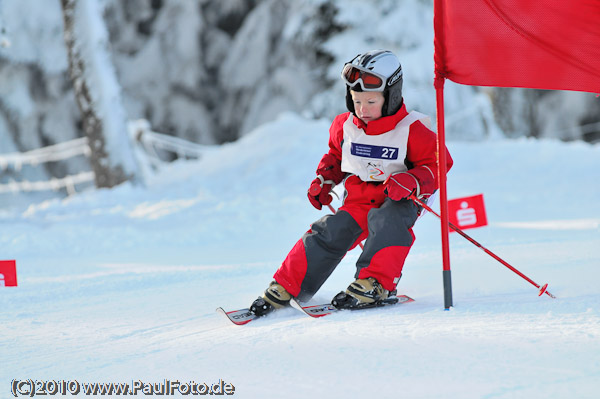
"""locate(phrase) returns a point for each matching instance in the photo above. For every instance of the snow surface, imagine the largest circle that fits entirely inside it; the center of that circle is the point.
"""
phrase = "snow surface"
(121, 285)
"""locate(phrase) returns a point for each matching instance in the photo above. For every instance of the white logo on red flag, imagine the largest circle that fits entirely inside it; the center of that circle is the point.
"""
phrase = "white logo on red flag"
(467, 212)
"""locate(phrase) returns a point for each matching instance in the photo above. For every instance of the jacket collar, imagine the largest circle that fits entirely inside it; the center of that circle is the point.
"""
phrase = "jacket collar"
(381, 125)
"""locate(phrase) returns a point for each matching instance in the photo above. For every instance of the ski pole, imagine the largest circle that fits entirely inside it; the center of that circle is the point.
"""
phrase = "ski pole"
(542, 289)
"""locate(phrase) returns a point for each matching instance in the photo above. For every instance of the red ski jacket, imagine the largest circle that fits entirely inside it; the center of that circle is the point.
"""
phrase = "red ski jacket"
(421, 149)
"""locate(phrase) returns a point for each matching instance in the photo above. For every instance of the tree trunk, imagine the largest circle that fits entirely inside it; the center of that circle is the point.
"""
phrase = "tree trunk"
(98, 93)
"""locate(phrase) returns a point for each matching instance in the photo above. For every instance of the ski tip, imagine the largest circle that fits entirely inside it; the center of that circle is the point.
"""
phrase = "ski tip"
(315, 311)
(294, 303)
(404, 299)
(222, 311)
(237, 317)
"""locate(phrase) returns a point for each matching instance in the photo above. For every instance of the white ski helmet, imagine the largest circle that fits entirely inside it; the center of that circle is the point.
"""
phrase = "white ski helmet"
(376, 70)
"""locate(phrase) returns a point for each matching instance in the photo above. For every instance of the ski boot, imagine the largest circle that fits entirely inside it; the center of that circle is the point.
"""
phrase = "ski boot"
(275, 297)
(364, 293)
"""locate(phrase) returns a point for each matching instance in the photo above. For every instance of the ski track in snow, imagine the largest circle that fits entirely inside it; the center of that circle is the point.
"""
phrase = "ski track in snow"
(121, 285)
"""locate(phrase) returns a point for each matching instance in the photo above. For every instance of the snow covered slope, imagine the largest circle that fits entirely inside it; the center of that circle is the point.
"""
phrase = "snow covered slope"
(121, 285)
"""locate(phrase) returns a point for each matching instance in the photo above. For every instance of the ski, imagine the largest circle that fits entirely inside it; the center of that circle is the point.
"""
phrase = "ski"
(238, 317)
(244, 316)
(327, 309)
(314, 310)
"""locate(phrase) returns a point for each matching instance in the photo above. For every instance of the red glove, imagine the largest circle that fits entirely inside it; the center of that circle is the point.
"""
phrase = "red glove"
(319, 192)
(329, 173)
(400, 185)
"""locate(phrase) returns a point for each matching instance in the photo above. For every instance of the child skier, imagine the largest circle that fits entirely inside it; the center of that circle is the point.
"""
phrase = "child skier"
(382, 154)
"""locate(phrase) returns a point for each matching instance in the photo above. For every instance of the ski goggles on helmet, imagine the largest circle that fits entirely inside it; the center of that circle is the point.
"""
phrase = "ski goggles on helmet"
(369, 80)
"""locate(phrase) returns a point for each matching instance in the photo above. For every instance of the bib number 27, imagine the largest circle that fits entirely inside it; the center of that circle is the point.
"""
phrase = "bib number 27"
(388, 153)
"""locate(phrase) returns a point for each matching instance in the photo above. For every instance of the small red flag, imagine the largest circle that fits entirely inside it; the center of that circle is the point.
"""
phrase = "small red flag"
(8, 273)
(467, 212)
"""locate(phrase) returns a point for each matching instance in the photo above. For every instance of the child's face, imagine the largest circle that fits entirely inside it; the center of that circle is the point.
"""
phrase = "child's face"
(367, 104)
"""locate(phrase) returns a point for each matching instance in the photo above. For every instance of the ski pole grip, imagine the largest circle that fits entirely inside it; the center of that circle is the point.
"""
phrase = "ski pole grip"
(316, 187)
